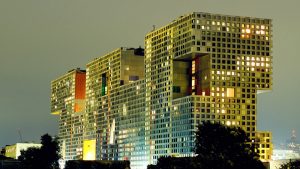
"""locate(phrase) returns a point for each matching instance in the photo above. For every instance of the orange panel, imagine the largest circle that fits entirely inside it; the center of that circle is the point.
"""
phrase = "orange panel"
(80, 85)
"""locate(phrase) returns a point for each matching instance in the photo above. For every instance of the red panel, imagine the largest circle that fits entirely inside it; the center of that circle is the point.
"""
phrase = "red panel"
(197, 66)
(80, 85)
(207, 92)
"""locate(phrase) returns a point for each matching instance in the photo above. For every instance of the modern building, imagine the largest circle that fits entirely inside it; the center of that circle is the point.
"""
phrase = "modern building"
(14, 151)
(141, 105)
(68, 102)
(115, 97)
(206, 67)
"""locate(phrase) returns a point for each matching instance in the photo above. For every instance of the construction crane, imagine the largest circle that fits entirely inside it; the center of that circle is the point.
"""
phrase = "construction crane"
(20, 135)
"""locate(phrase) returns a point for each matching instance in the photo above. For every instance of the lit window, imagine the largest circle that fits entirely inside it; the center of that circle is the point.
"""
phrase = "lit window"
(230, 92)
(193, 67)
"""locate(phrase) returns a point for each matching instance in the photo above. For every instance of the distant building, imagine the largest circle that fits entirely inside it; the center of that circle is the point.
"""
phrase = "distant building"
(285, 155)
(143, 104)
(14, 151)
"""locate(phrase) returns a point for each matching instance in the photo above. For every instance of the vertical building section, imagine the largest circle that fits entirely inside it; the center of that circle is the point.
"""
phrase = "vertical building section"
(205, 67)
(130, 124)
(68, 102)
(108, 101)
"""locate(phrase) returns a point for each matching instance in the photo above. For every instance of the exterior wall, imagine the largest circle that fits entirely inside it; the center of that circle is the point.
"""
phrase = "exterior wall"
(130, 131)
(14, 151)
(68, 101)
(11, 151)
(280, 154)
(106, 77)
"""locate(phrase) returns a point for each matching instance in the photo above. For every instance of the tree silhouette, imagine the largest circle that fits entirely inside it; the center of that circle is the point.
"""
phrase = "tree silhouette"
(45, 157)
(50, 152)
(222, 147)
(175, 163)
(30, 158)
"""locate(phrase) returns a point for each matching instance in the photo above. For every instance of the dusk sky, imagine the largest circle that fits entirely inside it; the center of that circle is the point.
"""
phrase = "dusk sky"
(41, 40)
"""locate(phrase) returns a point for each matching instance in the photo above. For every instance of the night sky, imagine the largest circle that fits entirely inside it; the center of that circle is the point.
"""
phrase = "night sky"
(41, 40)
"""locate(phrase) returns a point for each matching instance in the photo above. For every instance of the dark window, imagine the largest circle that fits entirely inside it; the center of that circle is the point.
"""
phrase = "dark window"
(176, 89)
(133, 78)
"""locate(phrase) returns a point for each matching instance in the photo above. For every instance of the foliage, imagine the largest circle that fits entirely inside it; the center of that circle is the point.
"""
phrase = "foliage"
(291, 165)
(152, 166)
(79, 164)
(217, 147)
(45, 157)
(222, 147)
(30, 158)
(50, 152)
(175, 163)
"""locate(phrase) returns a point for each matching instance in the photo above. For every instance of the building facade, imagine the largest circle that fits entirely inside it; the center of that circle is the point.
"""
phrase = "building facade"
(14, 151)
(141, 105)
(68, 102)
(115, 93)
(206, 67)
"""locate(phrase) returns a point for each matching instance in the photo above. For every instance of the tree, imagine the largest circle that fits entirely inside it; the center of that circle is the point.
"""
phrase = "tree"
(45, 157)
(175, 163)
(30, 158)
(50, 152)
(291, 165)
(94, 164)
(222, 147)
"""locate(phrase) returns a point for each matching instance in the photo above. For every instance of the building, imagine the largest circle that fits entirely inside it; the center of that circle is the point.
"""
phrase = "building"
(114, 97)
(68, 102)
(200, 67)
(14, 151)
(285, 155)
(206, 67)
